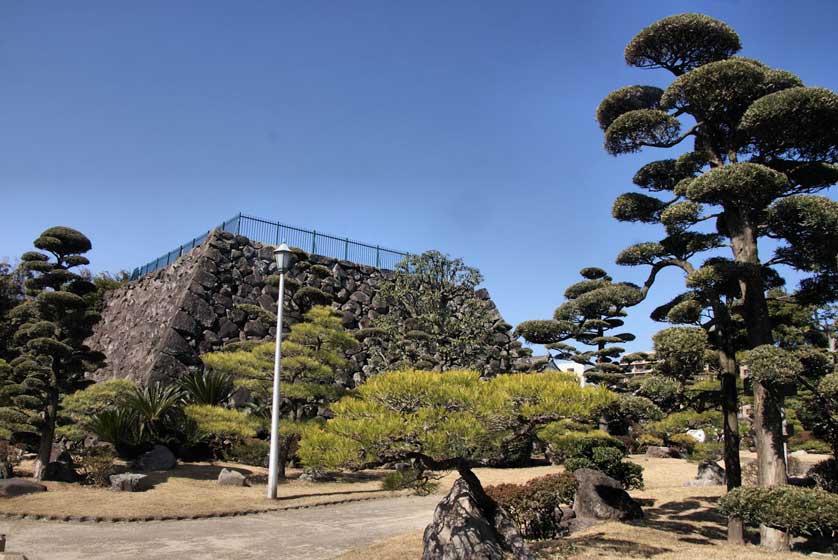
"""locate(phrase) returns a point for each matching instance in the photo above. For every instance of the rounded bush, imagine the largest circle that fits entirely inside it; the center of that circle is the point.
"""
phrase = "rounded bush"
(800, 511)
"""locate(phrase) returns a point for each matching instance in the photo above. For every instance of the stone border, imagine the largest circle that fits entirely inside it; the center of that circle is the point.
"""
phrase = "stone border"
(149, 518)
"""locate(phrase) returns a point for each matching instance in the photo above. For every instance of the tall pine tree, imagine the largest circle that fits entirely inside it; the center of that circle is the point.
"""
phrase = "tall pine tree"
(51, 325)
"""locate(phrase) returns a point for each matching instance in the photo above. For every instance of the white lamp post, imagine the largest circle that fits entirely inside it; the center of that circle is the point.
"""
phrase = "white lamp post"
(283, 257)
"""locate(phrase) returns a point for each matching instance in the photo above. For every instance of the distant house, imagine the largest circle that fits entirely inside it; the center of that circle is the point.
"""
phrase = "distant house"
(574, 368)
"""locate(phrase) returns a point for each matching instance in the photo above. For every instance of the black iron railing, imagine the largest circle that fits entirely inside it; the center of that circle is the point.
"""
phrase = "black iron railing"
(274, 233)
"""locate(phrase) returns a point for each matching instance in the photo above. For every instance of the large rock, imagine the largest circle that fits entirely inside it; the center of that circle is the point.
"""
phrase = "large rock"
(662, 452)
(709, 474)
(462, 529)
(601, 497)
(158, 459)
(12, 487)
(129, 482)
(228, 477)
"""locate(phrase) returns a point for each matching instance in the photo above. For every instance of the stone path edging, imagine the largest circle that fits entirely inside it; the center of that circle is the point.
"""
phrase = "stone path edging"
(148, 518)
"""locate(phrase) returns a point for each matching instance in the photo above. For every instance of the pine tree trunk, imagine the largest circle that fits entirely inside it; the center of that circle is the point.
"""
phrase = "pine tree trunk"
(733, 468)
(47, 437)
(768, 422)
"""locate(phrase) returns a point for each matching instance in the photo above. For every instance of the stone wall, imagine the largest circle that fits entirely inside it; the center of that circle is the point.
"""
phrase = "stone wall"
(155, 328)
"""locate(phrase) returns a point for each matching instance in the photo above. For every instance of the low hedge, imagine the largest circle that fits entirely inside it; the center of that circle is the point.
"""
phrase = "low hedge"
(533, 506)
(800, 511)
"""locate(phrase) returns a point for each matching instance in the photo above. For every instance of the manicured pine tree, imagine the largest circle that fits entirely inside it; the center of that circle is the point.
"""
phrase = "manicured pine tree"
(52, 324)
(436, 319)
(313, 355)
(594, 307)
(762, 143)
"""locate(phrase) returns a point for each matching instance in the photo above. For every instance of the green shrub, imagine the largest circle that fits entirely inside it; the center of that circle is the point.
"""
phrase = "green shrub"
(684, 442)
(78, 409)
(320, 271)
(825, 475)
(256, 312)
(709, 450)
(679, 422)
(96, 465)
(533, 505)
(563, 445)
(647, 440)
(609, 461)
(800, 511)
(250, 451)
(419, 482)
(810, 446)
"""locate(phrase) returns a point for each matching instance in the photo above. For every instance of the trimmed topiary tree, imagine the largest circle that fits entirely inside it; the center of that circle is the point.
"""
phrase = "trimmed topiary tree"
(594, 307)
(52, 324)
(762, 144)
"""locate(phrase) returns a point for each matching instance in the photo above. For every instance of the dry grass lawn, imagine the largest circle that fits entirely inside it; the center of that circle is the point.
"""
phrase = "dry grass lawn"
(191, 489)
(680, 522)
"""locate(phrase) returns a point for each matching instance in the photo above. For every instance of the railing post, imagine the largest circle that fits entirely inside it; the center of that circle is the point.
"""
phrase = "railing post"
(239, 224)
(377, 257)
(313, 242)
(346, 250)
(277, 234)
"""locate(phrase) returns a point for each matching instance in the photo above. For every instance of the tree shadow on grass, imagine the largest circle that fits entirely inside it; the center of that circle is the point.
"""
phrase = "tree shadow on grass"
(602, 543)
(695, 518)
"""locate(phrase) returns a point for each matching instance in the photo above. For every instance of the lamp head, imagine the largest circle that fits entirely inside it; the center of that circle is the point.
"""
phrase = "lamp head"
(283, 256)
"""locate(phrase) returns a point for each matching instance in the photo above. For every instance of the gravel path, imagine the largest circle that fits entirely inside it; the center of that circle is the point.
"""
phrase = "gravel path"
(316, 533)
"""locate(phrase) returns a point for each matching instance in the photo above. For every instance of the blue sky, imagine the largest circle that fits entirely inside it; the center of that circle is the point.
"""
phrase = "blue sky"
(465, 126)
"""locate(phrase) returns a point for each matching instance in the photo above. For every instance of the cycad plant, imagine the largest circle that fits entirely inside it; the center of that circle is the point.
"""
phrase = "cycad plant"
(210, 387)
(155, 407)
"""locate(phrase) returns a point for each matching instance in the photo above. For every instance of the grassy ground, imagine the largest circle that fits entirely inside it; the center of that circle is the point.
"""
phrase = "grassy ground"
(191, 489)
(679, 523)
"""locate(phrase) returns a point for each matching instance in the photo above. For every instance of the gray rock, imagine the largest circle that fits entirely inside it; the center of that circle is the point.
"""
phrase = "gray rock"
(12, 487)
(160, 458)
(129, 482)
(601, 497)
(255, 329)
(662, 452)
(463, 528)
(227, 328)
(228, 477)
(709, 474)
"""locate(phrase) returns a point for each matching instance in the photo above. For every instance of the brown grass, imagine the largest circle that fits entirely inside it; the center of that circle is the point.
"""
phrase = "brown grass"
(680, 522)
(191, 489)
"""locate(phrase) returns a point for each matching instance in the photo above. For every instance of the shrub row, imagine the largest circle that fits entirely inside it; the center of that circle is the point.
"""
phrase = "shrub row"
(800, 511)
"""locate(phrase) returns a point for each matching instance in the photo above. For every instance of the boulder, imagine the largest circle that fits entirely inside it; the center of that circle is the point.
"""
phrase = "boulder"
(464, 529)
(799, 453)
(709, 474)
(61, 471)
(601, 497)
(228, 477)
(662, 452)
(158, 459)
(129, 482)
(12, 487)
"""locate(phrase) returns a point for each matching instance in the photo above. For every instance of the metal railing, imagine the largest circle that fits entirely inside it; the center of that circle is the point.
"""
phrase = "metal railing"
(274, 233)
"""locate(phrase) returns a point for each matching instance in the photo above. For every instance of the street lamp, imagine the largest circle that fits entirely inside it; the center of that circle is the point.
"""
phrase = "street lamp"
(283, 257)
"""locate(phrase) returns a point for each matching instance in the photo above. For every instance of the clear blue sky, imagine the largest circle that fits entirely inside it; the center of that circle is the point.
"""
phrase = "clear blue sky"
(463, 126)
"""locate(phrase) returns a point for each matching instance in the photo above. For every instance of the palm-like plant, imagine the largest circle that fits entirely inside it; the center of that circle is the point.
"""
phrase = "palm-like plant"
(155, 406)
(211, 387)
(117, 426)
